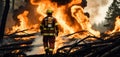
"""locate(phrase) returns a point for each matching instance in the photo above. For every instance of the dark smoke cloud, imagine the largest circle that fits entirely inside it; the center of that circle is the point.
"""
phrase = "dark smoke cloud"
(62, 2)
(87, 14)
(84, 3)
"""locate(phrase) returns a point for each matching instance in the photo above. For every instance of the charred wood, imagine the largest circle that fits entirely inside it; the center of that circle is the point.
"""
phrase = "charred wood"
(17, 43)
(4, 18)
(107, 46)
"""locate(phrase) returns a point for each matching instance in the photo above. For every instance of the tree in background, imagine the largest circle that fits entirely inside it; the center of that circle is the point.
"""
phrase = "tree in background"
(1, 8)
(4, 18)
(113, 12)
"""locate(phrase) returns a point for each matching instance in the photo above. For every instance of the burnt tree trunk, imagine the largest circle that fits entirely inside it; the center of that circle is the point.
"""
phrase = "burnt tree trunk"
(13, 3)
(4, 18)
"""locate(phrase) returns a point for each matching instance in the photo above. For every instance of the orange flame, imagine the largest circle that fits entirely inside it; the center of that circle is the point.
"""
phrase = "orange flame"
(117, 26)
(23, 20)
(24, 24)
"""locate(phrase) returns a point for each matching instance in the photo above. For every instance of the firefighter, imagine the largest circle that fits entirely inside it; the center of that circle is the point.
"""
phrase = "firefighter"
(49, 29)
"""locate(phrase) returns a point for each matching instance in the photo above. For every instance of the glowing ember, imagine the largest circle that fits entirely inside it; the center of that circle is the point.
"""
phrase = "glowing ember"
(23, 45)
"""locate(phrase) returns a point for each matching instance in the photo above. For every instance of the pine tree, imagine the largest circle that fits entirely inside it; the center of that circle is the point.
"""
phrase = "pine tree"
(113, 12)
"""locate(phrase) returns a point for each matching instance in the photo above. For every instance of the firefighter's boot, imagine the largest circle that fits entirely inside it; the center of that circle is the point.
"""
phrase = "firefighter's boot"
(47, 51)
(50, 51)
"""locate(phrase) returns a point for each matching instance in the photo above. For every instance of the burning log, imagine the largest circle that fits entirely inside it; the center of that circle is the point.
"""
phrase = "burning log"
(25, 35)
(14, 35)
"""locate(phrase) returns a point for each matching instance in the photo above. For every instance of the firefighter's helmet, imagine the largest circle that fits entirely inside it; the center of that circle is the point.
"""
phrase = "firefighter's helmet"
(49, 11)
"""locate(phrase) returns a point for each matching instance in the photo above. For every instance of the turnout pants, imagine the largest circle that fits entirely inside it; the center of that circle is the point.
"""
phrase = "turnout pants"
(49, 42)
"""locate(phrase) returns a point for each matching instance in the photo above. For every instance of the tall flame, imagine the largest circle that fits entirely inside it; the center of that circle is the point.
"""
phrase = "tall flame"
(23, 20)
(24, 24)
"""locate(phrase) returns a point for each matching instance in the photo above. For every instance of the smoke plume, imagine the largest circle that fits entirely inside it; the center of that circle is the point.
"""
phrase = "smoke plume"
(97, 10)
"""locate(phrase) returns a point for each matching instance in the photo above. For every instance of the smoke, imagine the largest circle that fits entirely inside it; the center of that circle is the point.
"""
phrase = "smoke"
(97, 10)
(62, 2)
(37, 50)
(19, 3)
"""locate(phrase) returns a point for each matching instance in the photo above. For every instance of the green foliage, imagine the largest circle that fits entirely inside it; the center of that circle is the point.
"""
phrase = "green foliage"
(113, 12)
